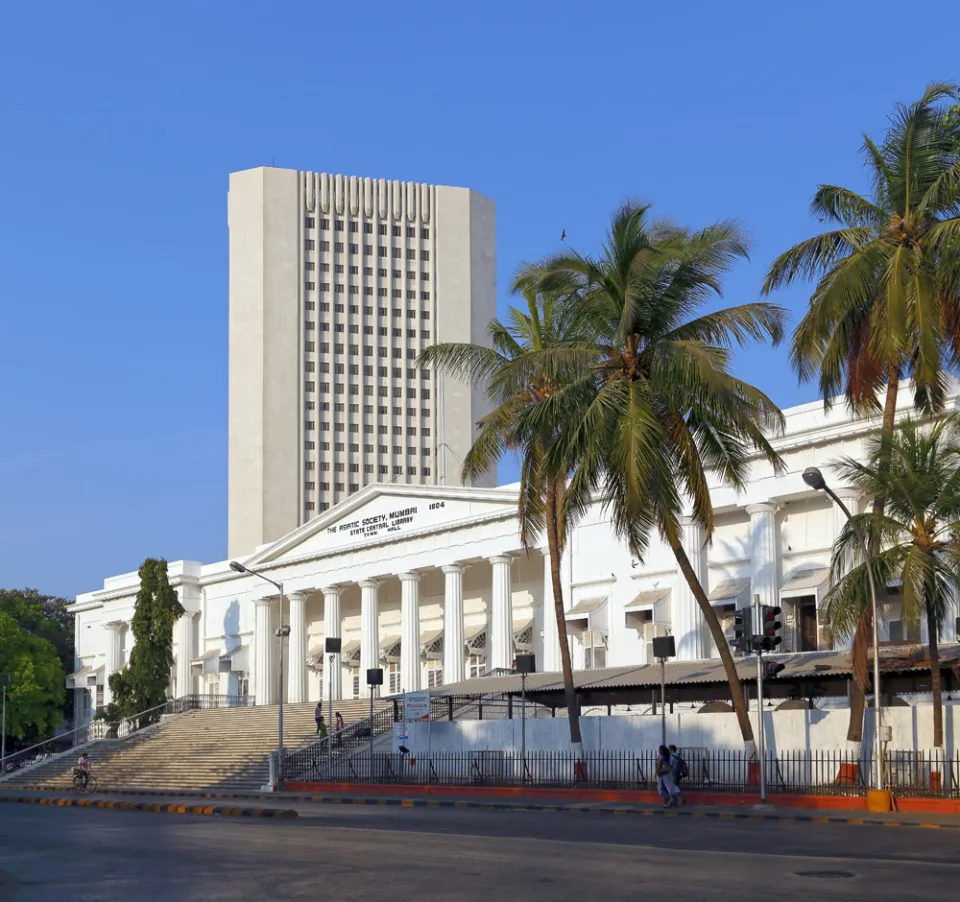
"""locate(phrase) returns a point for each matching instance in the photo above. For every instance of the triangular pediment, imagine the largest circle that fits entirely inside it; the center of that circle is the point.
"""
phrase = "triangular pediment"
(380, 512)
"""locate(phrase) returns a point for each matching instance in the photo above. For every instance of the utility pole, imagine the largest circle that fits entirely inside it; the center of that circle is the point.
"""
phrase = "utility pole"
(758, 647)
(3, 729)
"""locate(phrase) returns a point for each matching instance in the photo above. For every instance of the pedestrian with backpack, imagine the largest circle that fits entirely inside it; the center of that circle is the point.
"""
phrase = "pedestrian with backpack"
(679, 768)
(665, 784)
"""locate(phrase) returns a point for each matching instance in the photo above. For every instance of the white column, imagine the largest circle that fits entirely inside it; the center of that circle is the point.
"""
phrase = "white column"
(686, 619)
(410, 632)
(297, 659)
(500, 639)
(764, 579)
(454, 661)
(263, 638)
(113, 657)
(185, 654)
(551, 637)
(851, 498)
(369, 630)
(331, 630)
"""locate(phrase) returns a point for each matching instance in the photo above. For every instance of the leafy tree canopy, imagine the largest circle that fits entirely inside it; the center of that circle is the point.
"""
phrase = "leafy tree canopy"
(35, 693)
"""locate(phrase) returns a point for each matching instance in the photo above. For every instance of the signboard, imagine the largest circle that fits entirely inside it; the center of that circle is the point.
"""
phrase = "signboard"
(416, 707)
(390, 521)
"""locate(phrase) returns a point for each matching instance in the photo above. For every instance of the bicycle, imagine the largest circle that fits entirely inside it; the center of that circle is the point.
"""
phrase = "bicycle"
(78, 783)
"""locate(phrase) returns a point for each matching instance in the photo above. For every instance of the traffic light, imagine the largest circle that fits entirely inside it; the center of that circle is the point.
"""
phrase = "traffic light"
(742, 638)
(770, 626)
(771, 669)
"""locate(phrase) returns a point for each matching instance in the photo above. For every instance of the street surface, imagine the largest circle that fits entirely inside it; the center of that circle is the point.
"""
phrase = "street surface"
(369, 852)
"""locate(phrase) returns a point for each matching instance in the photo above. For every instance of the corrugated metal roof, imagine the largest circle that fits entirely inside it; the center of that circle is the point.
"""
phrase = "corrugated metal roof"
(808, 664)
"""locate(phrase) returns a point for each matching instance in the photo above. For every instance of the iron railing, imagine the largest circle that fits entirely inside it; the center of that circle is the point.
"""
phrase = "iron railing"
(815, 772)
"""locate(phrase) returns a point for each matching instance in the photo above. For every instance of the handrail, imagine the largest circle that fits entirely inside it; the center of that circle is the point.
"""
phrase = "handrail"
(102, 725)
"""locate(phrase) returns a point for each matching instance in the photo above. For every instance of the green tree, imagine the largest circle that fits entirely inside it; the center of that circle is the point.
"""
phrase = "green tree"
(916, 474)
(544, 507)
(143, 683)
(887, 299)
(650, 400)
(35, 694)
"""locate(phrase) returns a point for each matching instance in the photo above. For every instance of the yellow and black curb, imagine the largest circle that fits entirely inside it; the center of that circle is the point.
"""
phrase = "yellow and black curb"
(172, 808)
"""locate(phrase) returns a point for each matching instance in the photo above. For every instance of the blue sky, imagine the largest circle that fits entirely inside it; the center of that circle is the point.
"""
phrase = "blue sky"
(120, 123)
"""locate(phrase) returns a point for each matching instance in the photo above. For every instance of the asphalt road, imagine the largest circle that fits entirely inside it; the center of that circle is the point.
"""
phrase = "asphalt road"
(384, 854)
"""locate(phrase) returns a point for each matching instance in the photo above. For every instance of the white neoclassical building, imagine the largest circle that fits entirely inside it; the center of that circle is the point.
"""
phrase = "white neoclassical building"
(431, 583)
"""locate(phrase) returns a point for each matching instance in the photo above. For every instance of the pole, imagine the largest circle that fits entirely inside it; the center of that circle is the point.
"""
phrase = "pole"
(760, 730)
(878, 719)
(371, 733)
(663, 701)
(332, 726)
(3, 732)
(280, 707)
(523, 726)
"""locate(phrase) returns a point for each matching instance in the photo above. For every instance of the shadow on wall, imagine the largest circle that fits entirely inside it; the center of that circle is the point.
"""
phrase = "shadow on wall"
(231, 625)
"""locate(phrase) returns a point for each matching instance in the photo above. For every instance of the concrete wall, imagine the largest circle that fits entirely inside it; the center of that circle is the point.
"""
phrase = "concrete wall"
(785, 731)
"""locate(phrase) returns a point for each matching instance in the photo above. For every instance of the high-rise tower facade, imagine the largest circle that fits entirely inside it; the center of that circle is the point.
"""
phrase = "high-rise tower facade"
(337, 283)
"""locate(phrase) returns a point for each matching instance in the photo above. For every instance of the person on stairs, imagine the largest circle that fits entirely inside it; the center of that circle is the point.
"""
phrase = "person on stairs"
(318, 715)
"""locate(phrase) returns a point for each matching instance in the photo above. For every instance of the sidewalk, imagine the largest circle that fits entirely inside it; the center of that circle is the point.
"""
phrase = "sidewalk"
(306, 804)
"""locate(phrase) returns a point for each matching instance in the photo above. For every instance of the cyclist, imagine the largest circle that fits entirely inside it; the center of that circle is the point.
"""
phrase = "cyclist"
(82, 769)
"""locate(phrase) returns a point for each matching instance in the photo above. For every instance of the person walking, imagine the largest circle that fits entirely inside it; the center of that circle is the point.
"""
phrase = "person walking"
(665, 784)
(678, 768)
(318, 715)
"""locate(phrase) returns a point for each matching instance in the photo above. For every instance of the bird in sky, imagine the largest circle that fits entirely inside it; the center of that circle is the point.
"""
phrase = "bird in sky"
(563, 235)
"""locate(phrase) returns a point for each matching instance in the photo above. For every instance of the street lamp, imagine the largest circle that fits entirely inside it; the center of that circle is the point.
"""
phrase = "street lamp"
(814, 478)
(282, 632)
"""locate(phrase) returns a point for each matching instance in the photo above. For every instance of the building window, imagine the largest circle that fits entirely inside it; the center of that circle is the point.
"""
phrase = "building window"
(355, 681)
(354, 486)
(354, 227)
(424, 233)
(425, 471)
(309, 446)
(354, 249)
(396, 232)
(309, 244)
(425, 394)
(424, 314)
(476, 666)
(368, 228)
(324, 223)
(324, 245)
(434, 674)
(309, 387)
(396, 253)
(425, 276)
(310, 486)
(338, 225)
(424, 255)
(381, 252)
(309, 266)
(411, 255)
(338, 247)
(309, 222)
(381, 229)
(310, 346)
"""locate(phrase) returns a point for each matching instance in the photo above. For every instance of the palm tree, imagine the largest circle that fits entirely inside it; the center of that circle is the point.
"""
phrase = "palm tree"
(649, 393)
(887, 300)
(916, 474)
(513, 388)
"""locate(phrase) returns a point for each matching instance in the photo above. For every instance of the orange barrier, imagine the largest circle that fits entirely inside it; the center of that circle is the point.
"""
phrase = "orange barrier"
(849, 774)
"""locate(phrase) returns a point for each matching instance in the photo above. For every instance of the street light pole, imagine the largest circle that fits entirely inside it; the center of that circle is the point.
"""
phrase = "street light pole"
(3, 730)
(814, 478)
(282, 632)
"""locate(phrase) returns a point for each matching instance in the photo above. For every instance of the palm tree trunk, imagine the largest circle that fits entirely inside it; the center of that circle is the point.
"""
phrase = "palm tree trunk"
(553, 543)
(864, 631)
(713, 623)
(935, 681)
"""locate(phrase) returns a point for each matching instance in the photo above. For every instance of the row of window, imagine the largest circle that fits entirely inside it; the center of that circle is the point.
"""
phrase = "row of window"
(382, 429)
(355, 449)
(338, 288)
(476, 668)
(355, 487)
(310, 388)
(339, 225)
(341, 369)
(367, 330)
(339, 407)
(340, 270)
(354, 468)
(355, 309)
(396, 253)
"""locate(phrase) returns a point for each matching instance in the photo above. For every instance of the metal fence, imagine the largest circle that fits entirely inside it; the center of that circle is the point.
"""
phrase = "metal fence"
(803, 772)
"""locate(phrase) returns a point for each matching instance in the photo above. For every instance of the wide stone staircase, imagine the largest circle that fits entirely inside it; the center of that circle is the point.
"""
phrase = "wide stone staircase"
(220, 750)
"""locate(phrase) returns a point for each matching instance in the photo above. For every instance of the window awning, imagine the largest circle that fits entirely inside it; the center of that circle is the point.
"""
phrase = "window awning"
(431, 643)
(84, 677)
(729, 591)
(523, 635)
(475, 639)
(206, 664)
(350, 653)
(807, 582)
(646, 599)
(236, 661)
(390, 648)
(592, 612)
(315, 658)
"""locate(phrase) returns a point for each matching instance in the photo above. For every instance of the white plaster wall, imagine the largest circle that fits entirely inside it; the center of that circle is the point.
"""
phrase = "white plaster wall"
(785, 731)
